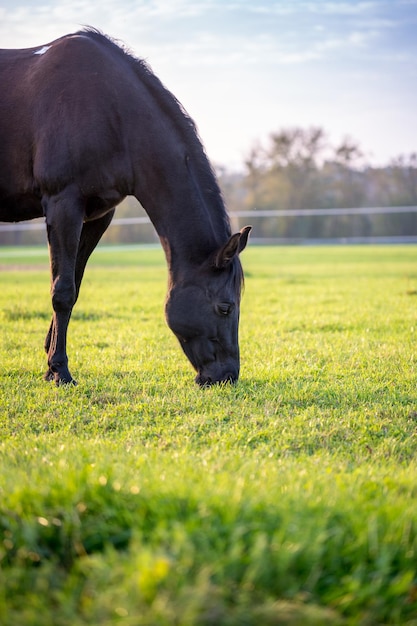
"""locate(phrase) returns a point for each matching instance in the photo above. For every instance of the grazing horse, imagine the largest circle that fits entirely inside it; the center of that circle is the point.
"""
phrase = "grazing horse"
(83, 124)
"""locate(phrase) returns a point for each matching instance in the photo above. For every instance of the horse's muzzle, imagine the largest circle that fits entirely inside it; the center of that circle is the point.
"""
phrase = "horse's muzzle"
(205, 380)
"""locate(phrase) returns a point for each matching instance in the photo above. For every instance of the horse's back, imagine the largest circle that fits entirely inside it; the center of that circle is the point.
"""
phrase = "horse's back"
(61, 121)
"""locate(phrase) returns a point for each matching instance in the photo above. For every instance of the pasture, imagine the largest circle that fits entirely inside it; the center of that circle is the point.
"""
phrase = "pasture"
(137, 498)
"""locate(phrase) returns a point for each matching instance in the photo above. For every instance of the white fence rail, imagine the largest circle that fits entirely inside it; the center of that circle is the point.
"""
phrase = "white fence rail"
(254, 214)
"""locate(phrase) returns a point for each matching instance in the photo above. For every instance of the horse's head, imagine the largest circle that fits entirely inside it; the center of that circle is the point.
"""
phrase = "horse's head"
(203, 312)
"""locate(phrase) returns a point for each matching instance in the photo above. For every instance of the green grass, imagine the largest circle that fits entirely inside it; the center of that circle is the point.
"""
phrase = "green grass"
(137, 498)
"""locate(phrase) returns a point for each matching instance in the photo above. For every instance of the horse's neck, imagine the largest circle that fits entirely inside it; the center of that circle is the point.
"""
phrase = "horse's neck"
(189, 237)
(190, 219)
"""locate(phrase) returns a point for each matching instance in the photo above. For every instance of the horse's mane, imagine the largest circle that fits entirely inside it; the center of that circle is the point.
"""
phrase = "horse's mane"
(186, 126)
(141, 67)
(172, 106)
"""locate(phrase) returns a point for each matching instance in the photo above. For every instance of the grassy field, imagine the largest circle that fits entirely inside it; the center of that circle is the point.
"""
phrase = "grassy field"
(137, 498)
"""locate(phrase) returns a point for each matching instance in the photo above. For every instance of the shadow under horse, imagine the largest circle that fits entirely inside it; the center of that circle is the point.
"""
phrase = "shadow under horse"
(83, 124)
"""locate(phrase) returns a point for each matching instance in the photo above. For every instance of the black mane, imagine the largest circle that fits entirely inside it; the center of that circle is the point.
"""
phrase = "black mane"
(173, 108)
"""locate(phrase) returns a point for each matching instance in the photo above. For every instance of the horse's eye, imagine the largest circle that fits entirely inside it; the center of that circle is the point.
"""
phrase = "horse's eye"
(224, 308)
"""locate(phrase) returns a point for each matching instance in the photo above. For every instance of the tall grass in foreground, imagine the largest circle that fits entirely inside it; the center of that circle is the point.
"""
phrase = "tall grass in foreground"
(137, 498)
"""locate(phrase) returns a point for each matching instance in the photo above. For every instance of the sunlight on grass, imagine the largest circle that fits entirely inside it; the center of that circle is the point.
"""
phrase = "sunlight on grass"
(138, 498)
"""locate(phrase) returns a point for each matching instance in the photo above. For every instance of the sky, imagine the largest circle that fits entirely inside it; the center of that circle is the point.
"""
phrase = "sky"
(245, 68)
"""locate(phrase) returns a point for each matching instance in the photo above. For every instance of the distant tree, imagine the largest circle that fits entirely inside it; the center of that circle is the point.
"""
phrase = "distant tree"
(299, 168)
(404, 178)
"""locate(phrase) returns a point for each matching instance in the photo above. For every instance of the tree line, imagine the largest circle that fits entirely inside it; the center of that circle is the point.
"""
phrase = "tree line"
(296, 169)
(299, 168)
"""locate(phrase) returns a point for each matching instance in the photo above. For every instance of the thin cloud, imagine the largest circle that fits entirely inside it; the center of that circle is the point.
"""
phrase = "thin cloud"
(341, 8)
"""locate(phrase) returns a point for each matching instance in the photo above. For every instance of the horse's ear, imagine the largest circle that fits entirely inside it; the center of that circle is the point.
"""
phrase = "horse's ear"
(244, 236)
(234, 246)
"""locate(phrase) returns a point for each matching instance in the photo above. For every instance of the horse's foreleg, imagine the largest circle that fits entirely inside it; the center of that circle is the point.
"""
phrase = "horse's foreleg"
(64, 220)
(90, 236)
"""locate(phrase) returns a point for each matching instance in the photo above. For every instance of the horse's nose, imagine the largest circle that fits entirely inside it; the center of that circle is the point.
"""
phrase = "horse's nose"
(206, 380)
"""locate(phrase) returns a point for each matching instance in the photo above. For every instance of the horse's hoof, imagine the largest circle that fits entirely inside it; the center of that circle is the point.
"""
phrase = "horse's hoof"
(59, 379)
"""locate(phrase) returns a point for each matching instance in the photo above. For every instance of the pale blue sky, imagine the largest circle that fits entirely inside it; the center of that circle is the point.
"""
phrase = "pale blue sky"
(243, 68)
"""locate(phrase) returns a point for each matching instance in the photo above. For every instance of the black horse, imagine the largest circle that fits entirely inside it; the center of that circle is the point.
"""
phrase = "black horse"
(82, 125)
